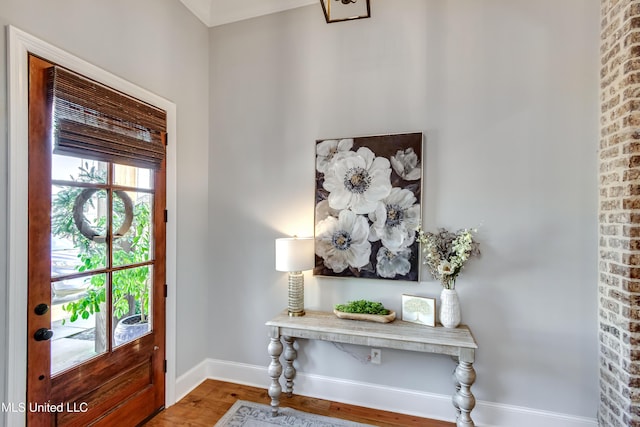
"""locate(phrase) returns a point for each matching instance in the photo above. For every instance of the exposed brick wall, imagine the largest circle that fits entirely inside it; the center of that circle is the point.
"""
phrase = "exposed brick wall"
(619, 214)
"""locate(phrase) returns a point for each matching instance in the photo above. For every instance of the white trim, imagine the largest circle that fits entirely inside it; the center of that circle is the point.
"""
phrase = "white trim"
(191, 379)
(17, 225)
(201, 9)
(411, 402)
(213, 13)
(20, 45)
(256, 9)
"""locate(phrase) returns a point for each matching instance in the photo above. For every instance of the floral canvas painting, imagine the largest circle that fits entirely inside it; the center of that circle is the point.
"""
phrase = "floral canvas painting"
(368, 193)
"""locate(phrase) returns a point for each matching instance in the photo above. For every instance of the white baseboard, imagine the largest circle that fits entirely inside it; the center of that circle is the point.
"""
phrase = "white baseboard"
(411, 402)
(191, 379)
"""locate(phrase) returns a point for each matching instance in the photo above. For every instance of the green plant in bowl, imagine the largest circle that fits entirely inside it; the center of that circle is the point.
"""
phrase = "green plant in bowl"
(363, 307)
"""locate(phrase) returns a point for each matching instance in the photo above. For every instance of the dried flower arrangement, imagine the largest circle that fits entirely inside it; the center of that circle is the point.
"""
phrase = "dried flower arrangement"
(444, 252)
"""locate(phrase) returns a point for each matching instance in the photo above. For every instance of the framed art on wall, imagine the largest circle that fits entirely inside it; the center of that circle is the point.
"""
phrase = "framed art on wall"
(419, 310)
(367, 206)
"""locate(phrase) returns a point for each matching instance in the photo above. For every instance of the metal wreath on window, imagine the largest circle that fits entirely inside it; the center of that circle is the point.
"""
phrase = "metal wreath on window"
(83, 225)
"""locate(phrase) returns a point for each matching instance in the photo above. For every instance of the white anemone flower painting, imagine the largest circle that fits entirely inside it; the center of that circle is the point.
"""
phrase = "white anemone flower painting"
(368, 193)
(395, 220)
(326, 151)
(407, 164)
(342, 242)
(391, 264)
(358, 182)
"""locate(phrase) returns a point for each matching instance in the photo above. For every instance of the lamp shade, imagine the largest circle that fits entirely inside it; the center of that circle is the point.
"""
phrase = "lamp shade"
(294, 254)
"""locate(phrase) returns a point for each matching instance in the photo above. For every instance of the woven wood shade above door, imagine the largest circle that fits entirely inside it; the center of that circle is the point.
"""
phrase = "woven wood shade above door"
(97, 122)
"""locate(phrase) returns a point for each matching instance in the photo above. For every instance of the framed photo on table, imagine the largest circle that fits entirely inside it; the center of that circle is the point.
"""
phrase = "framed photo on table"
(420, 310)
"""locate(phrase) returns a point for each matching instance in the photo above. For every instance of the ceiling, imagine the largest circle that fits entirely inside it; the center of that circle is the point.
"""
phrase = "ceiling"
(218, 12)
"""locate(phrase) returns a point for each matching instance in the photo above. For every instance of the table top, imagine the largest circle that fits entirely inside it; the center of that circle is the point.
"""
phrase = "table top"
(397, 334)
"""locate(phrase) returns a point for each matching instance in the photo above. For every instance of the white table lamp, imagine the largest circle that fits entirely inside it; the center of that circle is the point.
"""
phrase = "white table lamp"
(295, 255)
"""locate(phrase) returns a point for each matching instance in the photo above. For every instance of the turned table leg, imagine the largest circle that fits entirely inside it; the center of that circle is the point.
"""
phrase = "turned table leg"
(275, 370)
(290, 355)
(463, 400)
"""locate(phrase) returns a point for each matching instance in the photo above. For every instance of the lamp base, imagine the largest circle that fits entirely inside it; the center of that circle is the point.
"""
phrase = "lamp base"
(296, 294)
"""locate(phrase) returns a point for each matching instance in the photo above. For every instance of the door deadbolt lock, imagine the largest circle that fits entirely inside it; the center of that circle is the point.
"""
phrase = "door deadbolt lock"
(41, 309)
(43, 334)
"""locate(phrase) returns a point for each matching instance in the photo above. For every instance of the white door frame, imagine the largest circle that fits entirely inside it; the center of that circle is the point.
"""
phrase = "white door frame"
(20, 45)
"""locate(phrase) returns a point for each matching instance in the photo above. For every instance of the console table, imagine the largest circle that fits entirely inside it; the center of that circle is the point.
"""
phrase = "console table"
(318, 325)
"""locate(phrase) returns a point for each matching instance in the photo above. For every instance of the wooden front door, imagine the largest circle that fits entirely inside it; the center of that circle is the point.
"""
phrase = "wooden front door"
(96, 297)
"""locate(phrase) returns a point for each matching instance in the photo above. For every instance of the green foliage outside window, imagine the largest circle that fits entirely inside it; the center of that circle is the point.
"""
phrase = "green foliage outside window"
(130, 286)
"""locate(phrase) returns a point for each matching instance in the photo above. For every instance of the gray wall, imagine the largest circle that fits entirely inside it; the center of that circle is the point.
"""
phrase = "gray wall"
(506, 92)
(160, 46)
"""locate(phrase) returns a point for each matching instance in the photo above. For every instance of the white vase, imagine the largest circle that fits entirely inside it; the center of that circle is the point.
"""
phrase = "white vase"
(449, 308)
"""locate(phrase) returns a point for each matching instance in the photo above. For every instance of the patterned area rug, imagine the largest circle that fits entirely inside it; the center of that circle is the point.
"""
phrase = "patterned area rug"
(250, 414)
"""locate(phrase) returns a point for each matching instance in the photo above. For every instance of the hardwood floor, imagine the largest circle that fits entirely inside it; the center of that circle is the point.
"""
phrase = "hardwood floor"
(207, 403)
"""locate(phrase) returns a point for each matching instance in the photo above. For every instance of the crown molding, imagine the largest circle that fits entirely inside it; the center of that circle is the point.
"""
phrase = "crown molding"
(219, 12)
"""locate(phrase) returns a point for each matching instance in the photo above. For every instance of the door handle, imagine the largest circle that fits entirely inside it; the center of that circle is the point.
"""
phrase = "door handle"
(43, 334)
(41, 309)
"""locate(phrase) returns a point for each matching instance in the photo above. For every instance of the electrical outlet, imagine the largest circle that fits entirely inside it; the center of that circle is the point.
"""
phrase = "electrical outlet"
(376, 356)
